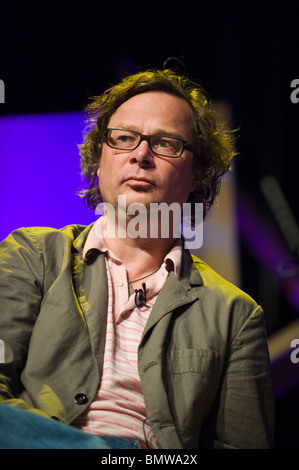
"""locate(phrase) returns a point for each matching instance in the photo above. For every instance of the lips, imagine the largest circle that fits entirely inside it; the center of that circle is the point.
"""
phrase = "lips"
(139, 180)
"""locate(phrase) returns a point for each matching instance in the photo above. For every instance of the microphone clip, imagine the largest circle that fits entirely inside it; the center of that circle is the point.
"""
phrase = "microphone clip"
(140, 296)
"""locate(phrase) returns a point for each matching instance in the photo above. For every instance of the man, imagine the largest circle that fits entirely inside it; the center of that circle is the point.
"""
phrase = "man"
(126, 336)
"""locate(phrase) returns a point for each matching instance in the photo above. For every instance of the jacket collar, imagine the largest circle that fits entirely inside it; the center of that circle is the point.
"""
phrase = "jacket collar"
(189, 275)
(189, 272)
(79, 241)
(177, 291)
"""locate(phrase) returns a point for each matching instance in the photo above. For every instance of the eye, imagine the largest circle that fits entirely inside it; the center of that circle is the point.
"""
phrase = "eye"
(123, 139)
(164, 143)
(168, 145)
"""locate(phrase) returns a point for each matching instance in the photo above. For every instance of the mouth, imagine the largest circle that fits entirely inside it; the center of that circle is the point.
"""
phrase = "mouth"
(139, 181)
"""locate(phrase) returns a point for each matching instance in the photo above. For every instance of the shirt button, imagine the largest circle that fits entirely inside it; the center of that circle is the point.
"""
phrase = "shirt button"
(119, 283)
(80, 399)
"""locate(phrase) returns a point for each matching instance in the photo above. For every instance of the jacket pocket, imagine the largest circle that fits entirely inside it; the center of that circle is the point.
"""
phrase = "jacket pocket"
(200, 361)
(192, 381)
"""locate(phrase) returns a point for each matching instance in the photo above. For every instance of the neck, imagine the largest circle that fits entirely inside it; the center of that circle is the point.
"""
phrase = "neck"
(139, 251)
(140, 256)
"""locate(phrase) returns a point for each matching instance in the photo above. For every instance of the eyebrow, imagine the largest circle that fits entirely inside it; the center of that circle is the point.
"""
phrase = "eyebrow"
(159, 131)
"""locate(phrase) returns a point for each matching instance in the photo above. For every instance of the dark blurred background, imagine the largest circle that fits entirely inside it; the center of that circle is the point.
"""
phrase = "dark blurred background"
(55, 56)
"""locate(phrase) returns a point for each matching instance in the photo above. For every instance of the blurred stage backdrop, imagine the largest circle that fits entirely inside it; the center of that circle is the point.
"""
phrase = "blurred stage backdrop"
(54, 59)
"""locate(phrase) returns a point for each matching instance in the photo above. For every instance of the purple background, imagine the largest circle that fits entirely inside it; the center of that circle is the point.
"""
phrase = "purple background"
(40, 171)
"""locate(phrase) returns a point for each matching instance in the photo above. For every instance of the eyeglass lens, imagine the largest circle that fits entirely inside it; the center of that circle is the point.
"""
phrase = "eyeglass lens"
(129, 140)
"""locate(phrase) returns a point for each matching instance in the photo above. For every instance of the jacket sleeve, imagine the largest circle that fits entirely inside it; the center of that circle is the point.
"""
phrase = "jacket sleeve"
(245, 414)
(21, 292)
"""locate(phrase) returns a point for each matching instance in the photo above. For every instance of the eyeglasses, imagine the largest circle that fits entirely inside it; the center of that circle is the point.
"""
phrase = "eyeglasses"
(163, 145)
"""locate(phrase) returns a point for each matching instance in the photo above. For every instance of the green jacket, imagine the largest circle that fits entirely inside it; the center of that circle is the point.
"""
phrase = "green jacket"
(203, 358)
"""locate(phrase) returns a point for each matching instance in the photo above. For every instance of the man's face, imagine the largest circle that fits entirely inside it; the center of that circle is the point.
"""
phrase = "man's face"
(139, 174)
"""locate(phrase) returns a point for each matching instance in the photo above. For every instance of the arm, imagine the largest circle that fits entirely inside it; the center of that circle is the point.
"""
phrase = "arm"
(21, 292)
(245, 413)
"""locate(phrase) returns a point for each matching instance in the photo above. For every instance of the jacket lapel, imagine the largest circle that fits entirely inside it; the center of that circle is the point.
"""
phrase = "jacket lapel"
(177, 291)
(90, 282)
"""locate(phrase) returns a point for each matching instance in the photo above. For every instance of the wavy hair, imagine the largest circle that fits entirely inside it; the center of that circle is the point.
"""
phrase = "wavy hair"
(214, 145)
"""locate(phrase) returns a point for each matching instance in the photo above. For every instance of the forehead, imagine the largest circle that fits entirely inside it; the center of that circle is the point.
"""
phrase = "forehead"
(152, 111)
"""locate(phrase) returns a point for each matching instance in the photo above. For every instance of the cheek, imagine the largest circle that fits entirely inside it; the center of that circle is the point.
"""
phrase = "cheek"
(179, 183)
(186, 176)
(187, 182)
(103, 174)
(104, 165)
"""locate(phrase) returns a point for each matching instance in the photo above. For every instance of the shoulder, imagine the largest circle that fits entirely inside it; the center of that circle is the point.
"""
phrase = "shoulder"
(37, 239)
(218, 288)
(227, 308)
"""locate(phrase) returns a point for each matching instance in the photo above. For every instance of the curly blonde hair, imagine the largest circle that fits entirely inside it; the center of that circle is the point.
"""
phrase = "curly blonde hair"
(214, 146)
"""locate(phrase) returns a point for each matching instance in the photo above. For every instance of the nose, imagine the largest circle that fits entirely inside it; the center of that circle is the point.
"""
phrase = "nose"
(143, 155)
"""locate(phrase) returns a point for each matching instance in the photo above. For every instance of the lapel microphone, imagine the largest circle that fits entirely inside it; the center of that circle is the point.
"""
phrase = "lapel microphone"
(140, 296)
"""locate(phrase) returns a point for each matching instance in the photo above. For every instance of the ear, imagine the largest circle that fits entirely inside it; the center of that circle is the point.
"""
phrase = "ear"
(100, 157)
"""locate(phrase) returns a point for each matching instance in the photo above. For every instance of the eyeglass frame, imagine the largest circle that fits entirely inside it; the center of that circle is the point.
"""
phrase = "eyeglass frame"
(147, 138)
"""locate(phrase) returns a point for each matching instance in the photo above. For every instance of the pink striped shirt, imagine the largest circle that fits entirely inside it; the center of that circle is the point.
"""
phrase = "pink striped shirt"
(118, 408)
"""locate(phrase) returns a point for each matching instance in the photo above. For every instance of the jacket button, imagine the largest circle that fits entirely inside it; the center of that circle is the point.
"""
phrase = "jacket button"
(80, 399)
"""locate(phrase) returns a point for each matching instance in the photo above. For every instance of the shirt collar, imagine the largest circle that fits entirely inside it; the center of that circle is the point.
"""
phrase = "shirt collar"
(95, 241)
